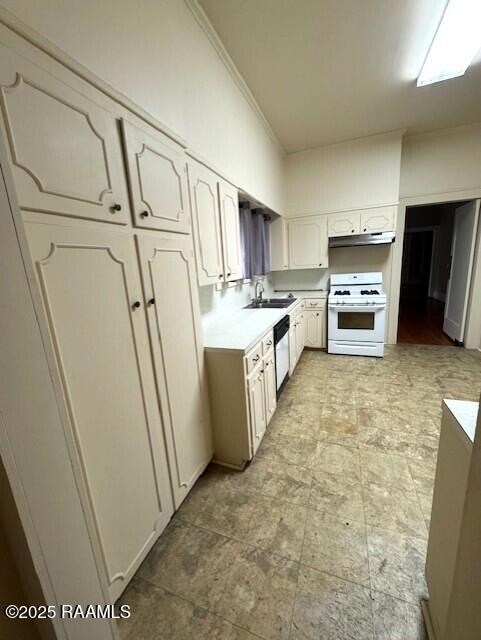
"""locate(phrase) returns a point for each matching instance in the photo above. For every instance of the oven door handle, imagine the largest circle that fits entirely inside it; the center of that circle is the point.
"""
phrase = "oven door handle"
(357, 307)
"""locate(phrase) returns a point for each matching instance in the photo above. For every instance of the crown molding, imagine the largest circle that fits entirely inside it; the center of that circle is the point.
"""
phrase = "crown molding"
(206, 25)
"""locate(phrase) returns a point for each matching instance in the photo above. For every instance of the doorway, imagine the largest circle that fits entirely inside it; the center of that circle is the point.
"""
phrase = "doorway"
(436, 272)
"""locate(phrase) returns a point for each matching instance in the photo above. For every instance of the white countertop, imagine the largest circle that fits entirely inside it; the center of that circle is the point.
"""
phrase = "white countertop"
(466, 414)
(240, 330)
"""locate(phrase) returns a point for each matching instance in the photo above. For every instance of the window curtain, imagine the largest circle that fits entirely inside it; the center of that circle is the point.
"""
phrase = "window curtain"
(255, 241)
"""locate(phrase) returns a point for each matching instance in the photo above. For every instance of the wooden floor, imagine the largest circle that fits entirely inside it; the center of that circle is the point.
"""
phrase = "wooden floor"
(421, 322)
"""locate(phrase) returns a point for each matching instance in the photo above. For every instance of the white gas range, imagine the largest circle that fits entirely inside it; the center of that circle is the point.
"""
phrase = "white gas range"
(356, 314)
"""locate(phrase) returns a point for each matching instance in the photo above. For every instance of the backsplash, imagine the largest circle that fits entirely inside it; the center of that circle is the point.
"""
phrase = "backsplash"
(306, 279)
(214, 303)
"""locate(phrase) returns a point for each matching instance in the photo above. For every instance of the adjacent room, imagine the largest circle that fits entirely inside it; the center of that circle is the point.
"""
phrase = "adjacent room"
(240, 282)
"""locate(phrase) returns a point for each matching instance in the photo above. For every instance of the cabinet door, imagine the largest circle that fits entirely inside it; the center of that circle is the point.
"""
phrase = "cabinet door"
(64, 149)
(313, 333)
(300, 334)
(230, 227)
(92, 296)
(377, 220)
(167, 263)
(206, 219)
(270, 387)
(279, 250)
(292, 347)
(158, 180)
(343, 224)
(257, 407)
(308, 243)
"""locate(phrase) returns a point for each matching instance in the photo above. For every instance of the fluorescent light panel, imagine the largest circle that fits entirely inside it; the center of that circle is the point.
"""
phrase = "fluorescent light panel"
(455, 44)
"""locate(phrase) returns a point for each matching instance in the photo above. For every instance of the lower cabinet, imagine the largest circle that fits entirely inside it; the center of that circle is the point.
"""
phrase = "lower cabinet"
(92, 295)
(315, 324)
(170, 285)
(243, 399)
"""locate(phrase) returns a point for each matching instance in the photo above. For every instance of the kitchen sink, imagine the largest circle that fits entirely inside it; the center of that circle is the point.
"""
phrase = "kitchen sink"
(271, 303)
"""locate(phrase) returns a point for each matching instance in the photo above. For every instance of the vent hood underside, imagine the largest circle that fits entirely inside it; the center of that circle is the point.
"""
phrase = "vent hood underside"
(387, 237)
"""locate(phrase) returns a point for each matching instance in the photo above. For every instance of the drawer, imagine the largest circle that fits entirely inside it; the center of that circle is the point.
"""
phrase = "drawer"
(315, 303)
(267, 343)
(254, 357)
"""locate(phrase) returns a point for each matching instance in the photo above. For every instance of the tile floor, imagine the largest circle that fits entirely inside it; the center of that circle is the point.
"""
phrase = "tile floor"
(323, 536)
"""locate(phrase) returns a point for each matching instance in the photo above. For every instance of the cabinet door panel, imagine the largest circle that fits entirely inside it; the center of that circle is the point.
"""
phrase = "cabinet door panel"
(343, 224)
(313, 323)
(257, 408)
(292, 347)
(89, 282)
(270, 387)
(300, 335)
(158, 180)
(377, 220)
(206, 218)
(230, 227)
(168, 271)
(65, 150)
(308, 243)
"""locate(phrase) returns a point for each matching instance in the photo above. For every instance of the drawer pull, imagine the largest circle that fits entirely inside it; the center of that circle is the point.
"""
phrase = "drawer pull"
(269, 344)
(255, 359)
(116, 207)
(144, 214)
(136, 305)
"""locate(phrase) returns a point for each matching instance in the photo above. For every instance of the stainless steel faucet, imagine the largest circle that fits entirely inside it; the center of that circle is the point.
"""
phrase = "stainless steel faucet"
(258, 295)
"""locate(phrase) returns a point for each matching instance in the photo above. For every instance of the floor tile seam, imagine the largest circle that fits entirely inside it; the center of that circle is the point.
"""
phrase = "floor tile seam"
(368, 554)
(195, 604)
(248, 544)
(337, 576)
(298, 572)
(398, 533)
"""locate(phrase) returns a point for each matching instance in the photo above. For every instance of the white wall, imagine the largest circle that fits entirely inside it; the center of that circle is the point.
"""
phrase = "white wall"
(441, 162)
(351, 175)
(156, 53)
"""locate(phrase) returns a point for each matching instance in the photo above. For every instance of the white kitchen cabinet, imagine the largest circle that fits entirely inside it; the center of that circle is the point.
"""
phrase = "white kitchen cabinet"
(157, 172)
(257, 406)
(292, 347)
(170, 286)
(215, 205)
(279, 244)
(315, 328)
(300, 334)
(378, 220)
(64, 149)
(343, 224)
(92, 295)
(270, 387)
(308, 243)
(207, 234)
(243, 399)
(230, 231)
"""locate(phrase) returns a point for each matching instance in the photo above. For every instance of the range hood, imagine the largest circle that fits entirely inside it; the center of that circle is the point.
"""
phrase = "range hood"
(386, 237)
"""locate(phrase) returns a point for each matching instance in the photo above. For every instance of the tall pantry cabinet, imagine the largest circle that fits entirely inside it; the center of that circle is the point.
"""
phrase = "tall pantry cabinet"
(115, 268)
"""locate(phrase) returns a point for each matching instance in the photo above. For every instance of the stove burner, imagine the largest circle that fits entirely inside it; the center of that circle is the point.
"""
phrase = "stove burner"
(342, 293)
(372, 292)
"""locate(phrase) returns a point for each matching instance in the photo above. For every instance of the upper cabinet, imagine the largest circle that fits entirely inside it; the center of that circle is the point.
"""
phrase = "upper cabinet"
(64, 149)
(215, 210)
(377, 220)
(158, 180)
(230, 229)
(205, 212)
(279, 246)
(343, 224)
(373, 220)
(308, 243)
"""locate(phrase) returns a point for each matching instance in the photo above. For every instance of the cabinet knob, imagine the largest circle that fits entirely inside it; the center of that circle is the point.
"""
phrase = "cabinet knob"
(352, 230)
(136, 305)
(116, 207)
(317, 315)
(364, 229)
(269, 343)
(144, 214)
(255, 359)
(151, 302)
(229, 274)
(320, 264)
(220, 276)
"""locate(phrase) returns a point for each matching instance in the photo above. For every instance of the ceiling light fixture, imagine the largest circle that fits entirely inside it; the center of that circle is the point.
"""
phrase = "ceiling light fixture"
(455, 44)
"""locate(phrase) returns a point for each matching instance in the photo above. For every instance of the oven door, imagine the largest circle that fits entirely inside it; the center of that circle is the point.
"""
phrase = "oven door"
(361, 323)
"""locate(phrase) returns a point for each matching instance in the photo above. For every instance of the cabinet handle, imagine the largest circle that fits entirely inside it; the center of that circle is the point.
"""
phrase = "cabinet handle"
(229, 274)
(262, 370)
(136, 305)
(151, 302)
(364, 229)
(255, 359)
(144, 214)
(220, 276)
(116, 207)
(269, 343)
(317, 315)
(320, 264)
(352, 230)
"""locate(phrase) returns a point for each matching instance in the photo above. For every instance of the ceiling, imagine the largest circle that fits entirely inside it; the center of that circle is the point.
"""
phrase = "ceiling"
(323, 71)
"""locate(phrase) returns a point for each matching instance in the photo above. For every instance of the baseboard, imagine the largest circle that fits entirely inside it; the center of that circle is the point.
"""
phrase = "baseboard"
(427, 619)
